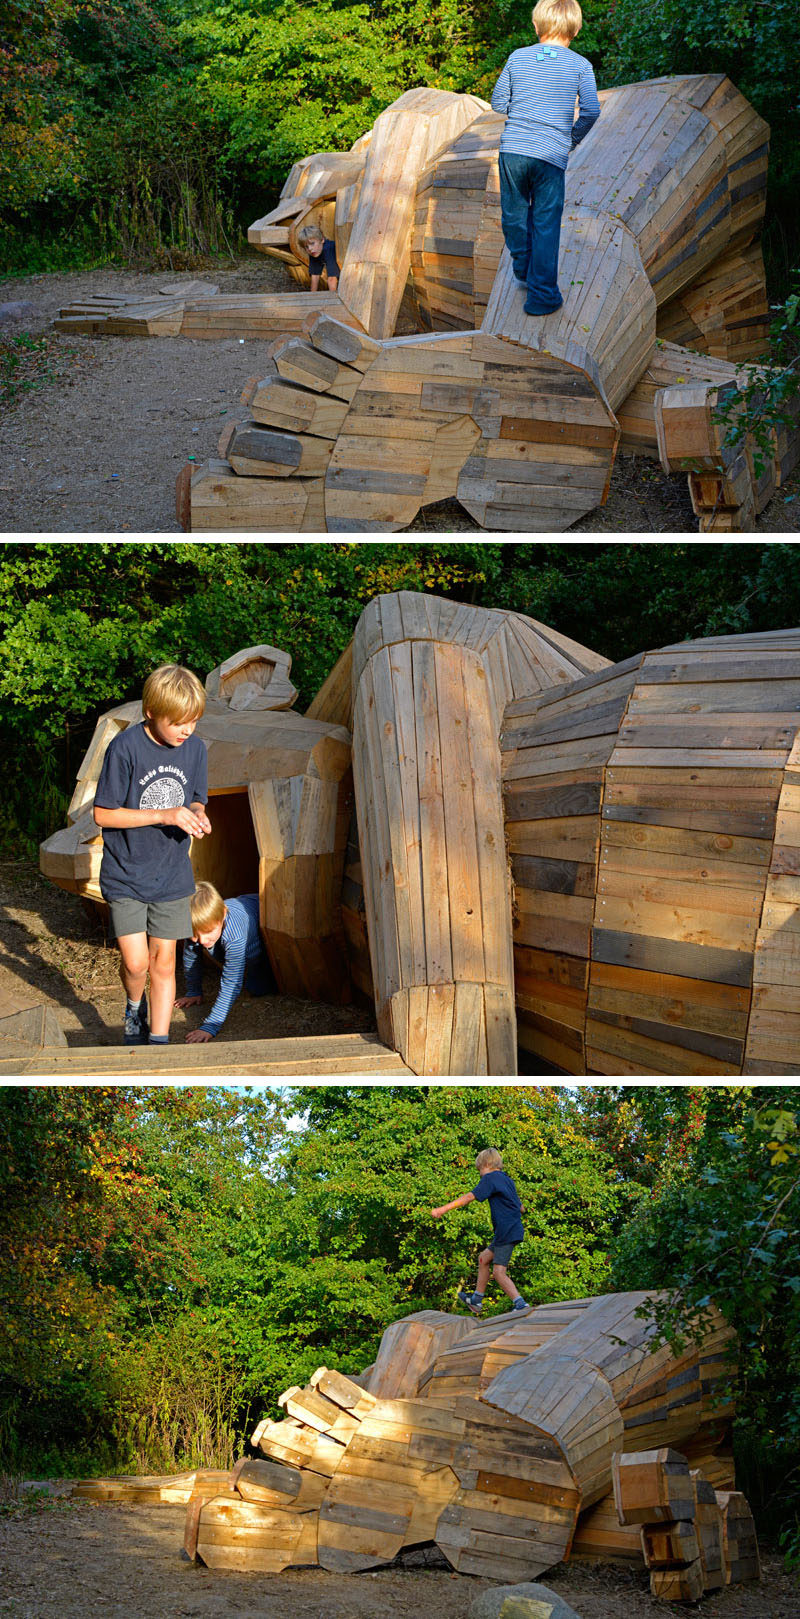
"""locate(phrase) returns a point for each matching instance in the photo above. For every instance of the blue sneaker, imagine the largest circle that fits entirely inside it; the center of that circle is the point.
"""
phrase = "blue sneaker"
(471, 1300)
(137, 1028)
(520, 1304)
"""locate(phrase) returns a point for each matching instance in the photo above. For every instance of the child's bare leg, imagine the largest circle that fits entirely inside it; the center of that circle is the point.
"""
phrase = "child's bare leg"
(484, 1268)
(503, 1280)
(162, 984)
(133, 964)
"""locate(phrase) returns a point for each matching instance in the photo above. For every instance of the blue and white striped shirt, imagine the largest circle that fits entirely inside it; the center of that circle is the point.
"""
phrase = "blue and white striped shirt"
(238, 947)
(537, 89)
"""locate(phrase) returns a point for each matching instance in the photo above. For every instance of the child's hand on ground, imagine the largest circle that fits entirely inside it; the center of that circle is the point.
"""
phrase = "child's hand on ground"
(188, 1000)
(198, 1035)
(185, 819)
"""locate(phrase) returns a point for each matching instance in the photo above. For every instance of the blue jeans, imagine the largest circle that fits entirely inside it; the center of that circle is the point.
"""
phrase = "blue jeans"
(531, 204)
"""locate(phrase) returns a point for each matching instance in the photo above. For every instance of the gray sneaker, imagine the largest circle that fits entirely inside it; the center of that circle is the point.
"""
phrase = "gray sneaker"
(137, 1028)
(469, 1300)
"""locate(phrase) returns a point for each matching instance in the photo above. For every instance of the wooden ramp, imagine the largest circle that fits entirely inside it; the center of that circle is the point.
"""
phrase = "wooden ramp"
(341, 1054)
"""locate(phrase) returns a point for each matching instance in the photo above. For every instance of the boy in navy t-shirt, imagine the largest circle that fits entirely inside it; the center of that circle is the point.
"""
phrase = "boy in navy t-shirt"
(321, 257)
(507, 1229)
(150, 802)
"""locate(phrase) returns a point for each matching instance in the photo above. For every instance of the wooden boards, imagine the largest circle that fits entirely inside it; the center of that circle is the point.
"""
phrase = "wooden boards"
(430, 681)
(495, 1476)
(730, 480)
(686, 1540)
(201, 312)
(648, 780)
(302, 1054)
(404, 139)
(774, 1027)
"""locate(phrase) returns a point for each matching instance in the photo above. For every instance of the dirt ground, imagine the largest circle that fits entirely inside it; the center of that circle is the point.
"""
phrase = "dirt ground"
(53, 951)
(97, 447)
(78, 1558)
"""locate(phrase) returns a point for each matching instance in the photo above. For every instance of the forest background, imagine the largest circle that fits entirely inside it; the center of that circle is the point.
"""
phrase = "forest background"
(154, 131)
(172, 1258)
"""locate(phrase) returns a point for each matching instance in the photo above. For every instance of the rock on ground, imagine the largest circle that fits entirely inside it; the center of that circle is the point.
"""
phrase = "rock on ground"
(526, 1601)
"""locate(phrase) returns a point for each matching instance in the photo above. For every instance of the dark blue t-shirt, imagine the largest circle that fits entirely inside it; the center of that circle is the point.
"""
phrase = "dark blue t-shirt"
(326, 260)
(149, 862)
(504, 1205)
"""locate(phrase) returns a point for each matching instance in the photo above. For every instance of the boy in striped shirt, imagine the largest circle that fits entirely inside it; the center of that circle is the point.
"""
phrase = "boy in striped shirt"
(228, 930)
(537, 90)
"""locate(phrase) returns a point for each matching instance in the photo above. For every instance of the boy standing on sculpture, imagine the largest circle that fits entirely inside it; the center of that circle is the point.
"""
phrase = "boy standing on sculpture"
(229, 931)
(150, 802)
(507, 1230)
(537, 90)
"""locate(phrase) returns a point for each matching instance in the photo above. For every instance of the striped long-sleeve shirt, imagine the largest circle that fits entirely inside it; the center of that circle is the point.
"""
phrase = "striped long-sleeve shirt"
(537, 89)
(238, 947)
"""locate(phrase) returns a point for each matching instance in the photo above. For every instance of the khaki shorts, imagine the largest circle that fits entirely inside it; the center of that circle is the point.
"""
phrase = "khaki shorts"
(159, 919)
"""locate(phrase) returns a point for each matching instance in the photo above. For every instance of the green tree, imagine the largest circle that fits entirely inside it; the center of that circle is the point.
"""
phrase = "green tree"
(720, 1223)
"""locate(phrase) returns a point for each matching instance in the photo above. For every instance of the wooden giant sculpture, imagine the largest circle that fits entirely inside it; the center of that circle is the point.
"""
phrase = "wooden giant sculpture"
(492, 1441)
(519, 418)
(598, 863)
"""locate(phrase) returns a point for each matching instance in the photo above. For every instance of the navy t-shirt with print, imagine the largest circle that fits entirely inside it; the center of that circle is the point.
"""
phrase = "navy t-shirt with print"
(149, 863)
(505, 1206)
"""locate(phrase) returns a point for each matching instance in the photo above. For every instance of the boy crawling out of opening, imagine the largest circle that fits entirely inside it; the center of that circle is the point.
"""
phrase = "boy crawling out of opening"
(228, 931)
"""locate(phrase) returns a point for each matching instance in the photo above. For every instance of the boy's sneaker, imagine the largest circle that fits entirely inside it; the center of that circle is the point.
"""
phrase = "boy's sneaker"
(471, 1300)
(137, 1028)
(520, 1304)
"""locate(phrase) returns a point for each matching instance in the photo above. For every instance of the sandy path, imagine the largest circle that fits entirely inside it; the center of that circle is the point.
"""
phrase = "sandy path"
(121, 1562)
(98, 447)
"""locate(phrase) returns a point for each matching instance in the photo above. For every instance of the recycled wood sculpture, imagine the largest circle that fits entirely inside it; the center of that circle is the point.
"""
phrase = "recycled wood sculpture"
(491, 1441)
(522, 844)
(520, 418)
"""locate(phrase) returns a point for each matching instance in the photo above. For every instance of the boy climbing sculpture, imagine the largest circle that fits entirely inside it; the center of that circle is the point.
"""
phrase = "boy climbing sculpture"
(507, 1229)
(537, 90)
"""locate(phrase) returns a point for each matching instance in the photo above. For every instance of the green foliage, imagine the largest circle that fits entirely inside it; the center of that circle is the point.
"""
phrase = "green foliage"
(767, 399)
(81, 626)
(720, 1222)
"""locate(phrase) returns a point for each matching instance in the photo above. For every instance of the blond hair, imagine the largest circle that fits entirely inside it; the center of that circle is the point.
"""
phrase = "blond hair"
(207, 907)
(489, 1158)
(311, 233)
(173, 693)
(562, 17)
